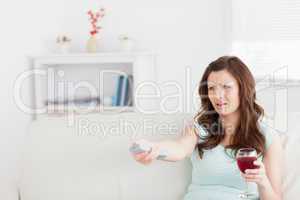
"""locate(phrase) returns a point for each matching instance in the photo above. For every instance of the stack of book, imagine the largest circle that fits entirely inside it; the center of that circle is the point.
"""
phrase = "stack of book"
(77, 102)
(123, 93)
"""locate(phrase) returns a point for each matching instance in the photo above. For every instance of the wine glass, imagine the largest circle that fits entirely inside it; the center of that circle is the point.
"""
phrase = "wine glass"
(245, 160)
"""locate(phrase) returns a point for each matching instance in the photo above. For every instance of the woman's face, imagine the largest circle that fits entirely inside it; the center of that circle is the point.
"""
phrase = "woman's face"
(223, 92)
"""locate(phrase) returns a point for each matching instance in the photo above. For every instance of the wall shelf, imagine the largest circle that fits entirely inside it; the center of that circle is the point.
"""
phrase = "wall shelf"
(276, 83)
(54, 75)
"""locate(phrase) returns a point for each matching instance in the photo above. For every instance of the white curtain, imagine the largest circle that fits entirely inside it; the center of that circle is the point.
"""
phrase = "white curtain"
(266, 34)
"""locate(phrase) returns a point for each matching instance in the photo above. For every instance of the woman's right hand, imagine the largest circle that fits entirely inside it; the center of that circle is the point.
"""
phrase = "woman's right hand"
(147, 158)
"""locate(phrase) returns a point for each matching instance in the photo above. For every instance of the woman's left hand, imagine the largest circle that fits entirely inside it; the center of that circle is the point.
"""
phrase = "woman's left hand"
(257, 176)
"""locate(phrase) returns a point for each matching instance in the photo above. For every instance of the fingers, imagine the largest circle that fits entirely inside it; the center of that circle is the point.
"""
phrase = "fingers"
(146, 157)
(259, 164)
(140, 157)
(257, 178)
(152, 154)
(253, 171)
(255, 175)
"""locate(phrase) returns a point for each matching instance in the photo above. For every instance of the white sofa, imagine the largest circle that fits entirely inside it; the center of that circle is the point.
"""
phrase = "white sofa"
(87, 158)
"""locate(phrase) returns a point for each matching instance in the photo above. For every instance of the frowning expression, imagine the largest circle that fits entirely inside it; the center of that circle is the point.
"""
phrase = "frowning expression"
(223, 92)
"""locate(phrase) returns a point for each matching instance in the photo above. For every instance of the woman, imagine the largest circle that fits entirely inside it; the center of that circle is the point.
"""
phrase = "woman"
(229, 119)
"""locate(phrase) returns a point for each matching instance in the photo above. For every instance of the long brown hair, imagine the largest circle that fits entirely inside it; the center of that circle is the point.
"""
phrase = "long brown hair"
(247, 133)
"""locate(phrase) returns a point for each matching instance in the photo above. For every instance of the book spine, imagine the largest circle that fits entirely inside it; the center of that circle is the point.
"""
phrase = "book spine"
(128, 100)
(119, 90)
(115, 98)
(123, 90)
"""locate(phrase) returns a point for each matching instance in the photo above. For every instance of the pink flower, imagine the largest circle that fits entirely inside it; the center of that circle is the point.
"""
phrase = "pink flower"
(94, 18)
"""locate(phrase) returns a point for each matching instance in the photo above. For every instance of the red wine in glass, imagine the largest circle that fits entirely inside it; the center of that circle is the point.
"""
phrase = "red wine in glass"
(245, 160)
(246, 163)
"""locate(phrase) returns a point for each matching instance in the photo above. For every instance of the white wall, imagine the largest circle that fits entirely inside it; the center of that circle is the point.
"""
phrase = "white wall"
(183, 34)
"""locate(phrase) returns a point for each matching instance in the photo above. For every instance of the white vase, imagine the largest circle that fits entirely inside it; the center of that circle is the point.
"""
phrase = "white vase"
(64, 47)
(126, 45)
(92, 44)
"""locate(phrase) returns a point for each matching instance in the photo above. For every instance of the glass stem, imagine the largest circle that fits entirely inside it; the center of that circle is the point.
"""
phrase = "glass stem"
(247, 187)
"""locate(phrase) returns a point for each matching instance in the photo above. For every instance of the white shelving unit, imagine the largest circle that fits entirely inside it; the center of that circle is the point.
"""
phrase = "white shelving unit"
(56, 75)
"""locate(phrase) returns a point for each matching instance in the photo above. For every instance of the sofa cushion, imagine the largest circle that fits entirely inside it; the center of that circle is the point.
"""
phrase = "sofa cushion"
(291, 180)
(89, 159)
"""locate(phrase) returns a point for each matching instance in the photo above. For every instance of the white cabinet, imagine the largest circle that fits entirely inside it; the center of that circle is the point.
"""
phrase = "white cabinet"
(63, 78)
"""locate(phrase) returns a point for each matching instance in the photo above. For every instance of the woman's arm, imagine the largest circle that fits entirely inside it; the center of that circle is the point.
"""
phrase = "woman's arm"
(269, 176)
(177, 149)
(273, 162)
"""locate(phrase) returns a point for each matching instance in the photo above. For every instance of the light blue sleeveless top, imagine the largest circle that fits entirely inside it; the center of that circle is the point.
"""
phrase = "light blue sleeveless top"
(216, 176)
